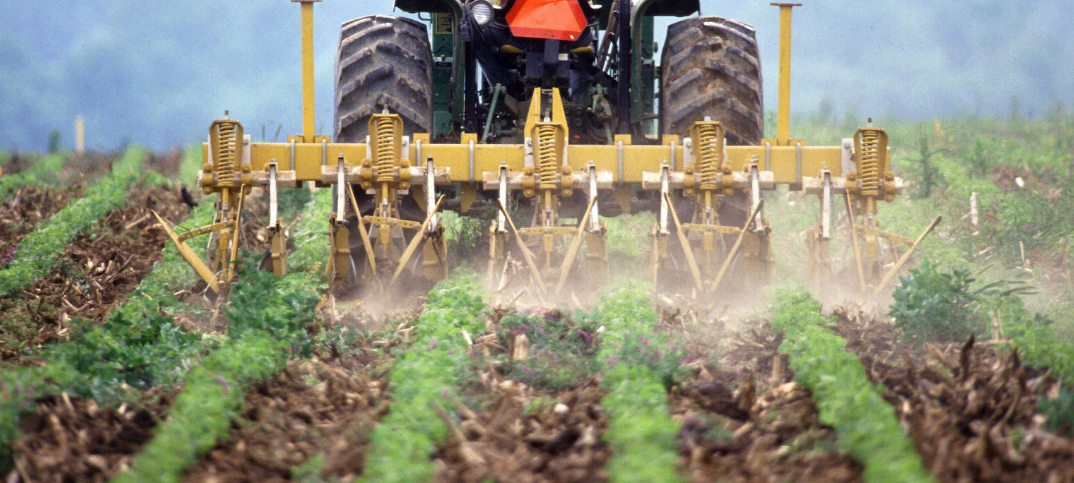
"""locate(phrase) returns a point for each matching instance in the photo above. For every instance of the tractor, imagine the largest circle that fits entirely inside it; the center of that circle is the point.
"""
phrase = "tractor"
(559, 106)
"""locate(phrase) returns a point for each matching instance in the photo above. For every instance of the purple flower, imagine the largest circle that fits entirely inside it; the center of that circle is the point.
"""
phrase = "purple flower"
(432, 345)
(588, 337)
(10, 256)
(223, 382)
(643, 340)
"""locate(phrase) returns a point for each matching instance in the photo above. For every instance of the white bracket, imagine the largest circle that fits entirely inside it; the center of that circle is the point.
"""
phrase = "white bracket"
(594, 215)
(501, 220)
(665, 193)
(826, 206)
(273, 196)
(341, 191)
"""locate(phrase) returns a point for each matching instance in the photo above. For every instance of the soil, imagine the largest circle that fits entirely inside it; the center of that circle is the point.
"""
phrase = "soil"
(745, 421)
(97, 272)
(31, 205)
(68, 439)
(508, 430)
(971, 409)
(559, 441)
(324, 406)
(315, 407)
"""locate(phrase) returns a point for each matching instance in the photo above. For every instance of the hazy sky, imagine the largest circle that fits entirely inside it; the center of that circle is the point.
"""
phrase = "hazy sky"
(157, 73)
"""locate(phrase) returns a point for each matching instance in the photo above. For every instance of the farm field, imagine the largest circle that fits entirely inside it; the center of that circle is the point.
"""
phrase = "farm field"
(116, 365)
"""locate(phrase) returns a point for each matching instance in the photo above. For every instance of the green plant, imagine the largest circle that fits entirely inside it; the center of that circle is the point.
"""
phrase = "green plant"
(1039, 348)
(40, 170)
(202, 413)
(310, 234)
(865, 424)
(561, 350)
(423, 379)
(310, 471)
(1059, 411)
(932, 305)
(41, 250)
(269, 317)
(640, 429)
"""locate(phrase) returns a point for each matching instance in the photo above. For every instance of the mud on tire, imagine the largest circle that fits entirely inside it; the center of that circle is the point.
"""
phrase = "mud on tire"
(711, 67)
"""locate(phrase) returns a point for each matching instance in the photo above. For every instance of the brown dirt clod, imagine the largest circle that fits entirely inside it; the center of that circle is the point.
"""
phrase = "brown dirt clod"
(971, 409)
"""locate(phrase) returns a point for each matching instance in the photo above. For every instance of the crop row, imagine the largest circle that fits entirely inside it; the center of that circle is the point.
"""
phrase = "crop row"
(639, 367)
(136, 347)
(41, 169)
(268, 317)
(866, 425)
(38, 253)
(403, 443)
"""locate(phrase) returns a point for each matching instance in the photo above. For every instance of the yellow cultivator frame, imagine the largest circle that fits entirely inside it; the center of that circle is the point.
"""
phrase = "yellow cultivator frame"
(546, 168)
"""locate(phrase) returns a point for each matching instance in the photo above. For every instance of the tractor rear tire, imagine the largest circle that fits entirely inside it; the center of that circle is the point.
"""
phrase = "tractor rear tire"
(711, 68)
(383, 63)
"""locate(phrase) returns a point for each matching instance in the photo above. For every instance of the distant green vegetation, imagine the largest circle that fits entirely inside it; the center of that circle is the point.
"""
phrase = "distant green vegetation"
(1022, 172)
(40, 170)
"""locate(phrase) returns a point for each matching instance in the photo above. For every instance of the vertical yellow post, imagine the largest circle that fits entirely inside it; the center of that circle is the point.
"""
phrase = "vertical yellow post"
(80, 136)
(783, 123)
(308, 107)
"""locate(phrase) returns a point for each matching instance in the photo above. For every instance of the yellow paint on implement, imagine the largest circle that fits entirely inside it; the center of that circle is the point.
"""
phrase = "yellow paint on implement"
(308, 107)
(783, 123)
(781, 160)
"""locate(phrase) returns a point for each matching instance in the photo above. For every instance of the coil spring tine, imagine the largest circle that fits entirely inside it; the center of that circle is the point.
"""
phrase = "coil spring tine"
(385, 146)
(710, 157)
(226, 162)
(546, 152)
(870, 163)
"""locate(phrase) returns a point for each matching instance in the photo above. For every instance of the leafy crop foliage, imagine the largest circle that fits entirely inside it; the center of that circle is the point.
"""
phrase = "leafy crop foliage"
(932, 305)
(1034, 338)
(136, 347)
(639, 367)
(865, 424)
(310, 234)
(40, 170)
(423, 378)
(41, 250)
(268, 318)
(561, 349)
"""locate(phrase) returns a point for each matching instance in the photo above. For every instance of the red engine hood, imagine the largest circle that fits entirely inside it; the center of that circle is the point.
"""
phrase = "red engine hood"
(547, 19)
